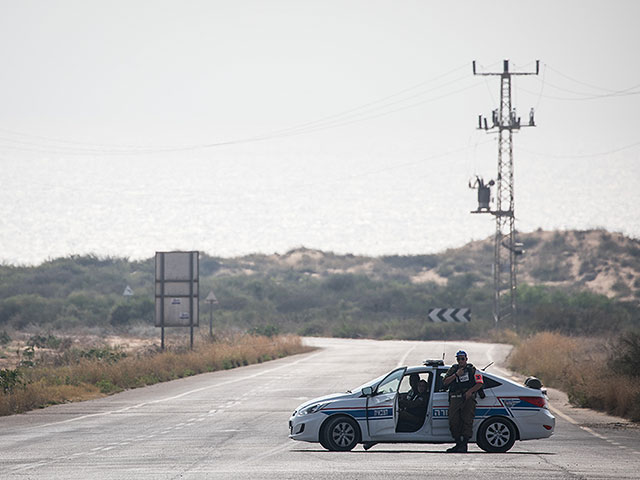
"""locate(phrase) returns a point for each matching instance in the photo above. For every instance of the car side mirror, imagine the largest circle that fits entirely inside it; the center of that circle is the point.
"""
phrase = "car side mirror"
(367, 391)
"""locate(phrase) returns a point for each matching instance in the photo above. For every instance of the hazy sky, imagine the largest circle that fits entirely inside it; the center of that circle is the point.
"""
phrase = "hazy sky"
(334, 90)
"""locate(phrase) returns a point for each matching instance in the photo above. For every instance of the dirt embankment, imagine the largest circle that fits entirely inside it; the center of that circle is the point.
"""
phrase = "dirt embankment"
(600, 261)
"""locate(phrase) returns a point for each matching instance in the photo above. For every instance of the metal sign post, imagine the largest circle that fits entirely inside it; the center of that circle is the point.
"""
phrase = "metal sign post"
(211, 300)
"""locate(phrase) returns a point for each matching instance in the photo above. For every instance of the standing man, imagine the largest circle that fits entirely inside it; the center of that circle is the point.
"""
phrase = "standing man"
(463, 383)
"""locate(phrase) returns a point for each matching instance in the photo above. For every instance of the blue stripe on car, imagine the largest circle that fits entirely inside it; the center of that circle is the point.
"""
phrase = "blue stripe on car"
(481, 412)
(375, 414)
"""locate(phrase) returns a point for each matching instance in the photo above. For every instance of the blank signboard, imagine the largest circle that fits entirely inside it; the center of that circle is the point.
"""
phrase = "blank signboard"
(176, 289)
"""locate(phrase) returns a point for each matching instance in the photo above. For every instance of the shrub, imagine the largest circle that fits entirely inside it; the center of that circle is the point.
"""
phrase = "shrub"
(549, 269)
(265, 330)
(582, 367)
(105, 354)
(626, 358)
(411, 261)
(40, 341)
(135, 310)
(21, 310)
(10, 380)
(105, 386)
(340, 283)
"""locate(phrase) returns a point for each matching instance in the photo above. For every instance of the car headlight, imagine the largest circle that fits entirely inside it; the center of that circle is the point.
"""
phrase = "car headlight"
(312, 408)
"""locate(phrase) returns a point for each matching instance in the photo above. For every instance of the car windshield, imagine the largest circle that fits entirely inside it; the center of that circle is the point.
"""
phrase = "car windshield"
(371, 383)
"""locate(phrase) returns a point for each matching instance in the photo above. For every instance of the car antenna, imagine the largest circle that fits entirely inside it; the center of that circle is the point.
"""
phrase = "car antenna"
(483, 369)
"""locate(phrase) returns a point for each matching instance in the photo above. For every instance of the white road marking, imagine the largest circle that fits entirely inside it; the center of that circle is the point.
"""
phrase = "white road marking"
(34, 465)
(403, 360)
(268, 453)
(184, 394)
(566, 417)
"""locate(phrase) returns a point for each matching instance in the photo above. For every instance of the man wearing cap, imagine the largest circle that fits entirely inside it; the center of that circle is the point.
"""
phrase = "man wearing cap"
(463, 383)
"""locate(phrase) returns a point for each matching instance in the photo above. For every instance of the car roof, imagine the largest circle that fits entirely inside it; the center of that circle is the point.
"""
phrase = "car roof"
(425, 369)
(420, 369)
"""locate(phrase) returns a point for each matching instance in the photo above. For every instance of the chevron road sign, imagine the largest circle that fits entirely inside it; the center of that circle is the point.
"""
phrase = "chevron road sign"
(453, 315)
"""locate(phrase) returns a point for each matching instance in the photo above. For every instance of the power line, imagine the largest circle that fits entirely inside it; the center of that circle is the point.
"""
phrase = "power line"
(291, 132)
(593, 97)
(629, 91)
(363, 106)
(83, 188)
(588, 84)
(356, 114)
(589, 95)
(585, 155)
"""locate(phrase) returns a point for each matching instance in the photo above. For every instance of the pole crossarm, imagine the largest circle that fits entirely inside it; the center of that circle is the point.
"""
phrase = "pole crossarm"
(505, 71)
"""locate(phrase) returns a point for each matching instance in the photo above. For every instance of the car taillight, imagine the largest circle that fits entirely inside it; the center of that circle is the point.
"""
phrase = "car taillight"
(537, 401)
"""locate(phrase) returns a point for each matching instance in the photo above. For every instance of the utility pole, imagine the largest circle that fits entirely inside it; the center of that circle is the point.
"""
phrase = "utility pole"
(506, 249)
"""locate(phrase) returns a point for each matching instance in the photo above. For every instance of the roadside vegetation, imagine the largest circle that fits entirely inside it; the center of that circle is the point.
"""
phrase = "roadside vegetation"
(571, 284)
(595, 372)
(52, 371)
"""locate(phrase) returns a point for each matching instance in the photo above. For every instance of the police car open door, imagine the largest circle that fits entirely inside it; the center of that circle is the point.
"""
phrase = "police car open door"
(382, 406)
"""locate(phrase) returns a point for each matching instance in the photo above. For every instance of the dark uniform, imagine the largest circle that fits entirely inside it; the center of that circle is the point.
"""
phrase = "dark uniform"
(412, 394)
(413, 410)
(461, 411)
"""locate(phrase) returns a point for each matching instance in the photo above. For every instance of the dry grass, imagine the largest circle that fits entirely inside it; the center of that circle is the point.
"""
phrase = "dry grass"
(87, 378)
(582, 367)
(40, 394)
(498, 335)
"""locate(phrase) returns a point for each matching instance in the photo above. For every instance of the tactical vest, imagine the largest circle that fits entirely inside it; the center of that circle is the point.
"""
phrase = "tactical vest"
(465, 381)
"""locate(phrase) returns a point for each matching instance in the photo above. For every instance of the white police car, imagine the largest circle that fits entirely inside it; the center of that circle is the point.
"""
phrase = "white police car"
(370, 413)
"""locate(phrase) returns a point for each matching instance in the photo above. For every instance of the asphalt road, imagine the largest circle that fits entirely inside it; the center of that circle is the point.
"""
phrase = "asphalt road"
(233, 425)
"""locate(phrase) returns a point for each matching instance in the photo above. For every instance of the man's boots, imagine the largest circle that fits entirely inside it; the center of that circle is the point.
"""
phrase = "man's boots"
(463, 445)
(456, 447)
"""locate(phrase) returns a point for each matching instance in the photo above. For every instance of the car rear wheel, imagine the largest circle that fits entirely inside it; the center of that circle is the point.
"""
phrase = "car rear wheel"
(496, 435)
(340, 434)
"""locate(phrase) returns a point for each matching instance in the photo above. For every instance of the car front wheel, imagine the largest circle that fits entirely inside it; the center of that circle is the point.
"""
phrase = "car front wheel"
(341, 434)
(496, 435)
